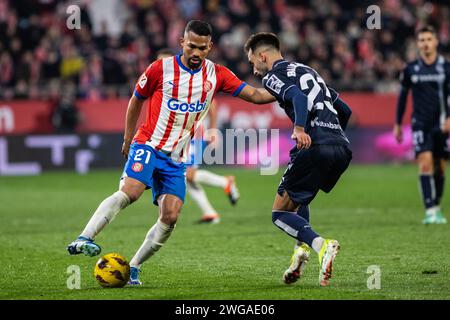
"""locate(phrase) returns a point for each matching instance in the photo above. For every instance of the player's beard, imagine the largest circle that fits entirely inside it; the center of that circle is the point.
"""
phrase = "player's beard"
(194, 64)
(261, 73)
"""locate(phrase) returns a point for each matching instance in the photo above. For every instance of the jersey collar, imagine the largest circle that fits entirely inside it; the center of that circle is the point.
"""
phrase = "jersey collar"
(437, 61)
(186, 68)
(278, 62)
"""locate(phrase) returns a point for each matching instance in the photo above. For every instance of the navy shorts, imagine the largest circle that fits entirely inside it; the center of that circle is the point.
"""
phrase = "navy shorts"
(313, 169)
(156, 170)
(433, 140)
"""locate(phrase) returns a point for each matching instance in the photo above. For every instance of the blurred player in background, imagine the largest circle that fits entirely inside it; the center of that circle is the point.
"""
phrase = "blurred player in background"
(429, 79)
(195, 176)
(180, 90)
(320, 156)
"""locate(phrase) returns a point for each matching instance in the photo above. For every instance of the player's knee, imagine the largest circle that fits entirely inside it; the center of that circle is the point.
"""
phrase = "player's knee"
(170, 216)
(190, 173)
(133, 192)
(425, 161)
(425, 167)
(132, 195)
(440, 167)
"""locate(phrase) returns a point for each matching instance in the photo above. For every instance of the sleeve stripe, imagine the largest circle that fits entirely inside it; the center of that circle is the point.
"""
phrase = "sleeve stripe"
(337, 97)
(139, 96)
(239, 89)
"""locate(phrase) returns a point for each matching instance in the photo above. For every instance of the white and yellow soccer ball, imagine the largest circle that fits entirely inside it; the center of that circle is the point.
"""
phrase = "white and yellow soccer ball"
(112, 271)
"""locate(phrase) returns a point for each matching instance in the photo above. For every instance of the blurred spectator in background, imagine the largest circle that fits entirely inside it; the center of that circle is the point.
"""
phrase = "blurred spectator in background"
(66, 117)
(118, 38)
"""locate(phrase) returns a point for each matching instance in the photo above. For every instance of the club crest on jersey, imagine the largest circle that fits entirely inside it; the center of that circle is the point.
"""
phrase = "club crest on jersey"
(142, 81)
(207, 86)
(137, 167)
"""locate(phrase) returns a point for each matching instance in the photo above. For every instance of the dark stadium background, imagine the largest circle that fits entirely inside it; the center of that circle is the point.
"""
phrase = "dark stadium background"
(57, 81)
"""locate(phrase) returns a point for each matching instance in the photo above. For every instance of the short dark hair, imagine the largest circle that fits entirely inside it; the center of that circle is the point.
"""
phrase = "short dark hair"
(165, 51)
(262, 39)
(199, 27)
(424, 29)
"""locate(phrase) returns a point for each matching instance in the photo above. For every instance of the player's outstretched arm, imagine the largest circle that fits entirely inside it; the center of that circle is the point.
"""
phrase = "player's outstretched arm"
(133, 112)
(256, 95)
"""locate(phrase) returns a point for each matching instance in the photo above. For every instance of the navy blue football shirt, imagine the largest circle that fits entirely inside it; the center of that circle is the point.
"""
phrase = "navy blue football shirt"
(288, 81)
(430, 89)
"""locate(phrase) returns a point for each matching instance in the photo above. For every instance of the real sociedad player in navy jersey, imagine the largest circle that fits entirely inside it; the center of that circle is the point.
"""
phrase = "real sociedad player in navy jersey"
(320, 156)
(429, 79)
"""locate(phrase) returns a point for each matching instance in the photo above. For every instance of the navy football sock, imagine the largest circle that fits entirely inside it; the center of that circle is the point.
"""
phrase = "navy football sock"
(439, 182)
(427, 188)
(303, 212)
(294, 225)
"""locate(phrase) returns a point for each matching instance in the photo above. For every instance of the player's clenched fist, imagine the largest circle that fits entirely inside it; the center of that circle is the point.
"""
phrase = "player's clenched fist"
(126, 148)
(398, 133)
(303, 139)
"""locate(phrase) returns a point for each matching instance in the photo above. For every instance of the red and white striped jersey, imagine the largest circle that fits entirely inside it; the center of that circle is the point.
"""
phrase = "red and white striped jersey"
(179, 101)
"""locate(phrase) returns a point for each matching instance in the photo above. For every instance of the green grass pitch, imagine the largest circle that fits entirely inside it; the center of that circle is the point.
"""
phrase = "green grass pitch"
(375, 212)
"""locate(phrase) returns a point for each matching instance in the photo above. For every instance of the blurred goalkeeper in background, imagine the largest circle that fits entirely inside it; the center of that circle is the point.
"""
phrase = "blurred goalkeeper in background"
(429, 79)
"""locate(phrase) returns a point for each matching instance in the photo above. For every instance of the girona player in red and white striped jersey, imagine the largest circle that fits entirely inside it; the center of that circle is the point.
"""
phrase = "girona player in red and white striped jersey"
(179, 90)
(179, 100)
(197, 177)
